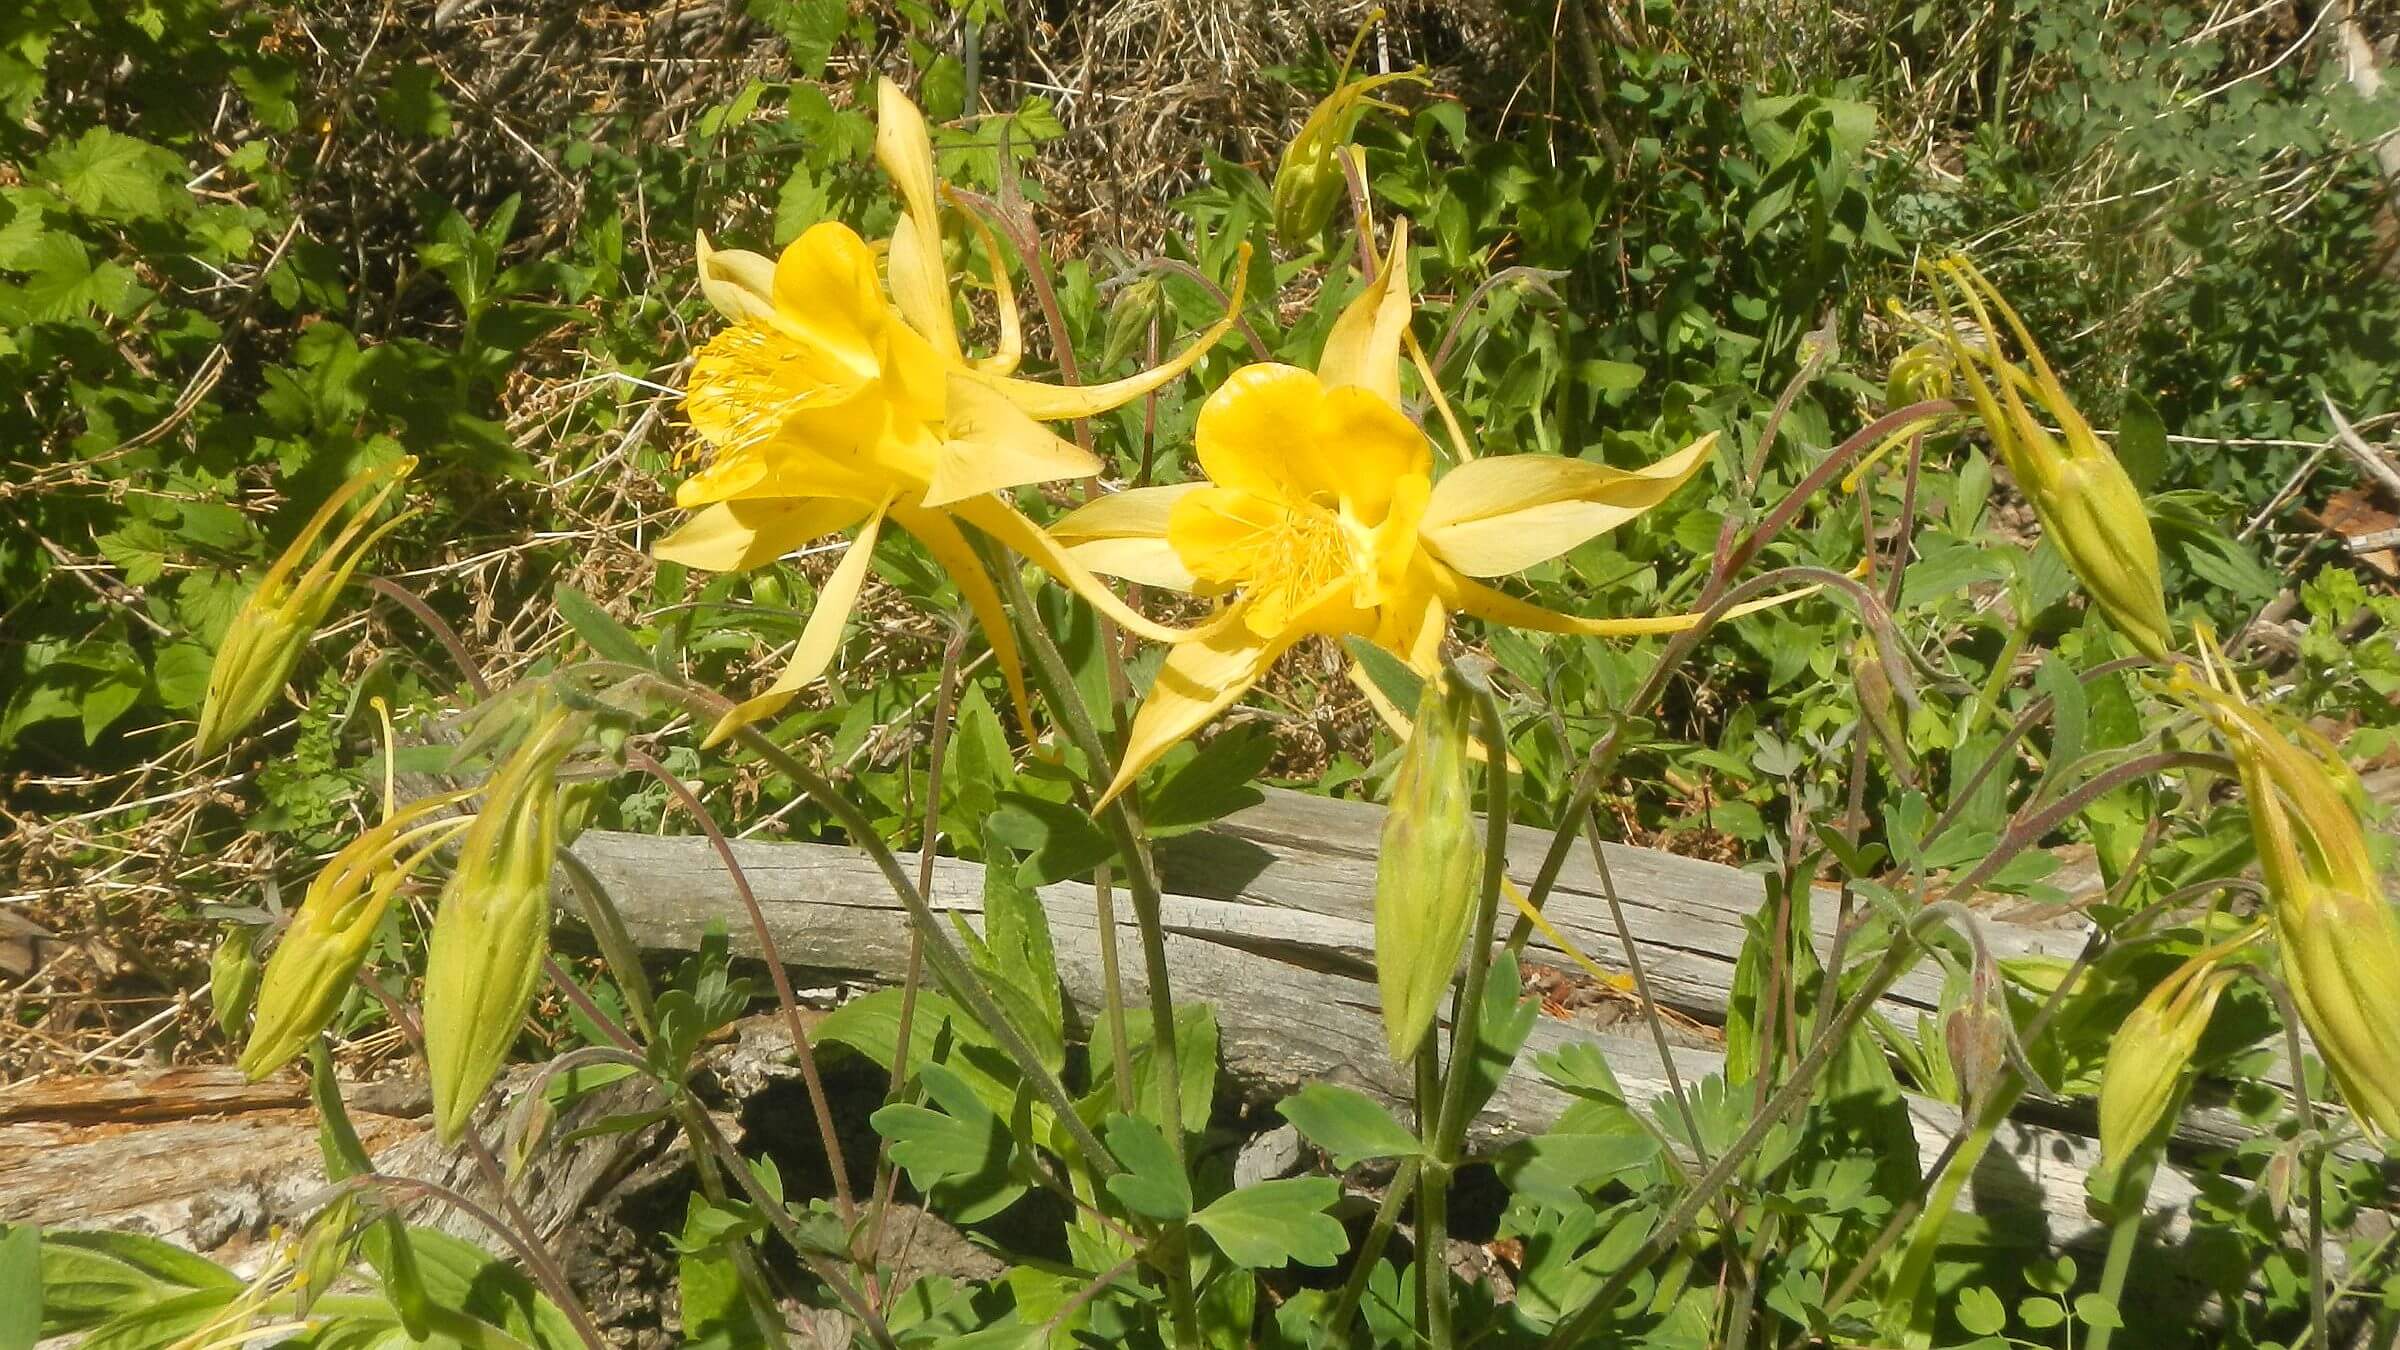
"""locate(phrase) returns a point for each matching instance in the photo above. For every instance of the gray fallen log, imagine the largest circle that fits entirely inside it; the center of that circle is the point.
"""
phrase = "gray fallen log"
(1292, 988)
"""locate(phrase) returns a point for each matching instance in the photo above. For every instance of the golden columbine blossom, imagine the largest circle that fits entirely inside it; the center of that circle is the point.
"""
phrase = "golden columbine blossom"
(2337, 937)
(1429, 869)
(1320, 517)
(1308, 181)
(264, 641)
(492, 927)
(309, 972)
(828, 407)
(2087, 504)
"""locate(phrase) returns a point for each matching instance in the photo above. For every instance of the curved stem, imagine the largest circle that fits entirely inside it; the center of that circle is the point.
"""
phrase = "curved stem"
(827, 1136)
(434, 623)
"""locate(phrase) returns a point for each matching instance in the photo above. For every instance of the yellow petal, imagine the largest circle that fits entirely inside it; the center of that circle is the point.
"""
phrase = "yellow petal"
(1124, 534)
(819, 639)
(741, 284)
(748, 381)
(1492, 606)
(1003, 522)
(736, 536)
(1051, 402)
(991, 445)
(1200, 678)
(1009, 347)
(1364, 347)
(826, 296)
(1505, 513)
(956, 556)
(1280, 432)
(920, 279)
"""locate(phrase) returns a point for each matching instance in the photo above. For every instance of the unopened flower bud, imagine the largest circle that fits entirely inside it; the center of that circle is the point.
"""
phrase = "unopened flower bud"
(267, 634)
(1879, 702)
(2152, 1049)
(1430, 868)
(233, 976)
(2337, 937)
(2086, 502)
(309, 972)
(1309, 181)
(492, 928)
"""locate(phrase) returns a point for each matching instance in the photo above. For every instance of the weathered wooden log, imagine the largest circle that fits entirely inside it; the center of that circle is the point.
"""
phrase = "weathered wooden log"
(1282, 951)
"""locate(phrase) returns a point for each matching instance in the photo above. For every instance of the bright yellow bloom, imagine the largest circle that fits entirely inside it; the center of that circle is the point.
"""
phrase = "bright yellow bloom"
(829, 408)
(2337, 937)
(1320, 517)
(2087, 504)
(276, 621)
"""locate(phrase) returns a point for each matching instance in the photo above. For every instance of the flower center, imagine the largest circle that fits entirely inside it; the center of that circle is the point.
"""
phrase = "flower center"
(747, 380)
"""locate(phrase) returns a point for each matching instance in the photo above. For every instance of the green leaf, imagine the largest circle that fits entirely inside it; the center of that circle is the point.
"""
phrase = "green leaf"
(1508, 1018)
(2094, 1311)
(1059, 840)
(960, 1155)
(708, 1289)
(1348, 1124)
(2041, 1314)
(413, 105)
(462, 1276)
(1213, 785)
(608, 638)
(1152, 1185)
(2142, 441)
(20, 1287)
(88, 1278)
(1269, 1223)
(1020, 965)
(1195, 1047)
(1980, 1312)
(1388, 673)
(108, 174)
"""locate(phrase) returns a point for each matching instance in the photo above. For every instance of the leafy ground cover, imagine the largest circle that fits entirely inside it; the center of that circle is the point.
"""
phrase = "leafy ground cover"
(331, 240)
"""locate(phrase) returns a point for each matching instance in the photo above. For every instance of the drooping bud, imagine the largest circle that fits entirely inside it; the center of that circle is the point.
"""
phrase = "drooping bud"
(2151, 1051)
(2086, 502)
(492, 928)
(308, 974)
(1431, 865)
(1879, 703)
(267, 634)
(1309, 180)
(233, 976)
(2337, 937)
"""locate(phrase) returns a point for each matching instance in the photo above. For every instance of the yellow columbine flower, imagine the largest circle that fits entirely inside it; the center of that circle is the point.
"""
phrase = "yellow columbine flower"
(2337, 937)
(1320, 516)
(2087, 504)
(829, 408)
(275, 622)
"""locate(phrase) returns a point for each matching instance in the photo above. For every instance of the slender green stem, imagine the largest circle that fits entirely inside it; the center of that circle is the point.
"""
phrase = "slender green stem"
(1909, 1314)
(1370, 1251)
(1433, 1201)
(2132, 1204)
(1995, 684)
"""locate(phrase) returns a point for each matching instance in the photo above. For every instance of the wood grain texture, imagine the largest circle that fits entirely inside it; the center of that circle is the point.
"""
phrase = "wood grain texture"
(1283, 953)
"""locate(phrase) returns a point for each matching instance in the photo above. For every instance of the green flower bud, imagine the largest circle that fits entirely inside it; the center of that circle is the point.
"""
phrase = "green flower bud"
(1430, 868)
(2083, 497)
(2337, 937)
(1879, 702)
(267, 634)
(233, 976)
(310, 970)
(492, 928)
(2153, 1047)
(1309, 180)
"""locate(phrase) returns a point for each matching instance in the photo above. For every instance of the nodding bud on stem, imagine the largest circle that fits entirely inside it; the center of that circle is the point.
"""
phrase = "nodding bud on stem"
(2153, 1047)
(2086, 502)
(267, 634)
(2337, 937)
(1309, 181)
(1879, 702)
(1430, 868)
(492, 928)
(309, 972)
